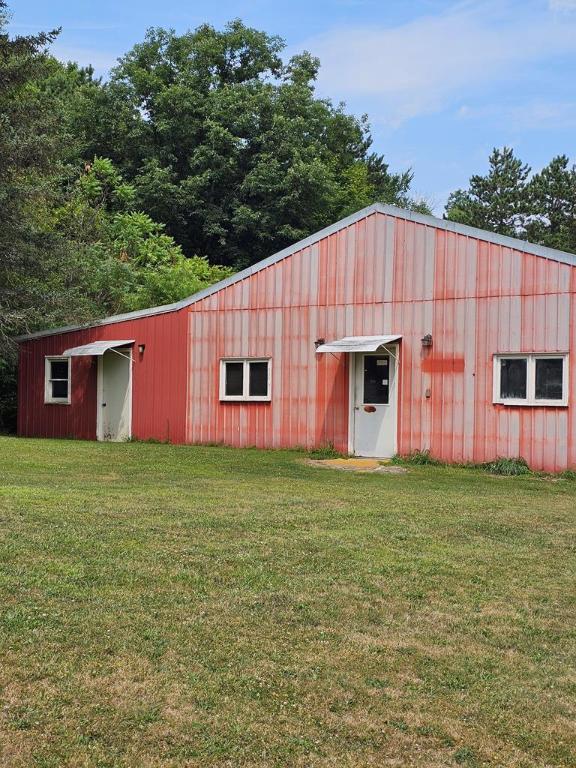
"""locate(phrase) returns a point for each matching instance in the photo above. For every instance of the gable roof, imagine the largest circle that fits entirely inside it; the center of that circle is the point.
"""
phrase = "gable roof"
(389, 210)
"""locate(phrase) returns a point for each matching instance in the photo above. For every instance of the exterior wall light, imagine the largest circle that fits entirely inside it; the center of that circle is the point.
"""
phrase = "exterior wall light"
(141, 348)
(427, 340)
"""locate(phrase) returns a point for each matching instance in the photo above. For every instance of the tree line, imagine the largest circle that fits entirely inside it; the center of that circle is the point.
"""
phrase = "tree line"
(201, 154)
(511, 200)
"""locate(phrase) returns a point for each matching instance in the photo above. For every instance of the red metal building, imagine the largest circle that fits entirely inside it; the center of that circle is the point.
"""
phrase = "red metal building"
(387, 332)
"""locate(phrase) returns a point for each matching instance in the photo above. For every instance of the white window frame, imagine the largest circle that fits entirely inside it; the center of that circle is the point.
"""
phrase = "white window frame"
(531, 358)
(48, 399)
(245, 396)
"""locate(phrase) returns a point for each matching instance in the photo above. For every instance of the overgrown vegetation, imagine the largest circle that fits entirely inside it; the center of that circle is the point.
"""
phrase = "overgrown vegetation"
(176, 606)
(505, 466)
(417, 458)
(499, 466)
(325, 452)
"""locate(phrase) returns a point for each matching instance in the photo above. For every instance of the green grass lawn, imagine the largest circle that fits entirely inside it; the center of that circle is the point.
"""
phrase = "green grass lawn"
(182, 606)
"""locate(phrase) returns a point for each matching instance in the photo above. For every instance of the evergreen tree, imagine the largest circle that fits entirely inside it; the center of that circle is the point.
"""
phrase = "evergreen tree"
(28, 148)
(552, 195)
(497, 202)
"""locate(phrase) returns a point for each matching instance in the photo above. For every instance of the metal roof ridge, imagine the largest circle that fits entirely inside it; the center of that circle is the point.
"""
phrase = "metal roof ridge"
(516, 243)
(389, 210)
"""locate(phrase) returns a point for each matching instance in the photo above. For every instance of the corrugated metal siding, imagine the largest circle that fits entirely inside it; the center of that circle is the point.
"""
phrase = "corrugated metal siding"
(387, 275)
(279, 313)
(492, 299)
(38, 420)
(381, 274)
(158, 384)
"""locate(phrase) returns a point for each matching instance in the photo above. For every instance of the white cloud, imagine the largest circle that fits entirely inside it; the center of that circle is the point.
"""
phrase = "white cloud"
(420, 66)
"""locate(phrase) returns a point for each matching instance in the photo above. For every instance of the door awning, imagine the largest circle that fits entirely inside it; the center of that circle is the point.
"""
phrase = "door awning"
(358, 343)
(95, 348)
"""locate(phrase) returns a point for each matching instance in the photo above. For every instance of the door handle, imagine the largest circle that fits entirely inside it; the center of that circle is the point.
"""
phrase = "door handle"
(103, 405)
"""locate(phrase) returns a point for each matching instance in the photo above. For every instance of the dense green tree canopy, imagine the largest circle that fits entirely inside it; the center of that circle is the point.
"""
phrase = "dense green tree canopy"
(135, 263)
(31, 282)
(229, 147)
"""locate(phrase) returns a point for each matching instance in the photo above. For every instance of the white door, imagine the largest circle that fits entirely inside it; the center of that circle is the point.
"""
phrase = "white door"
(114, 420)
(374, 403)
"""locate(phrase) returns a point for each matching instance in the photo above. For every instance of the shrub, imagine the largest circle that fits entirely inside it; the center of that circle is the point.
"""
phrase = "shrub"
(504, 466)
(417, 457)
(325, 452)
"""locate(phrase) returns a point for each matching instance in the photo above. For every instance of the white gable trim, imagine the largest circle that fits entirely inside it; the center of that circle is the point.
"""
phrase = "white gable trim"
(389, 210)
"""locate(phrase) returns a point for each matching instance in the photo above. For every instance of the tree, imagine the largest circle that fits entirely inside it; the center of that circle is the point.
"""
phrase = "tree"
(541, 208)
(31, 281)
(552, 196)
(497, 202)
(130, 262)
(230, 147)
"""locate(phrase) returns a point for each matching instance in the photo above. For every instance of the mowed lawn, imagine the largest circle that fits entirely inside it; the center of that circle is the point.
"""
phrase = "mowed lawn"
(197, 606)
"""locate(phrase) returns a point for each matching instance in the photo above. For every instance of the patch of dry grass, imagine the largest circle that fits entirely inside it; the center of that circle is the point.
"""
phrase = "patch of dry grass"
(167, 606)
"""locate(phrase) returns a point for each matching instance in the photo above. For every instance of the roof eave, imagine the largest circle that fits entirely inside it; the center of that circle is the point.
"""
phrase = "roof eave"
(388, 210)
(135, 315)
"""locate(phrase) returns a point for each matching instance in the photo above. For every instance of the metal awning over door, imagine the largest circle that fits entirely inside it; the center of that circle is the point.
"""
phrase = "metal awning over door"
(358, 343)
(96, 348)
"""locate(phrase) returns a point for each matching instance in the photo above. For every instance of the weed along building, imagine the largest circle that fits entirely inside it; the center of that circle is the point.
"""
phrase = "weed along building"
(386, 332)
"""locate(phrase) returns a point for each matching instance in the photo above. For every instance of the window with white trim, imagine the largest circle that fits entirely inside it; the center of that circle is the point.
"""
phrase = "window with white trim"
(245, 379)
(531, 379)
(57, 380)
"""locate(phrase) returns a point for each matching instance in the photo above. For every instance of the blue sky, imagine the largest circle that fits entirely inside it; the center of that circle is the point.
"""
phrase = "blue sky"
(442, 82)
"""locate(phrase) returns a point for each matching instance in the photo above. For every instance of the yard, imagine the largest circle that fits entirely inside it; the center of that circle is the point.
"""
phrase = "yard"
(180, 606)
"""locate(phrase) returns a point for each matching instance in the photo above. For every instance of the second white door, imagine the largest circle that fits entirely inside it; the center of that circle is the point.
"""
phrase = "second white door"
(114, 420)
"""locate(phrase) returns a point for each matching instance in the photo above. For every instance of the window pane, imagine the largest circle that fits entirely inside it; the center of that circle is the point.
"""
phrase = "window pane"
(376, 381)
(59, 369)
(258, 380)
(549, 379)
(59, 389)
(234, 379)
(513, 378)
